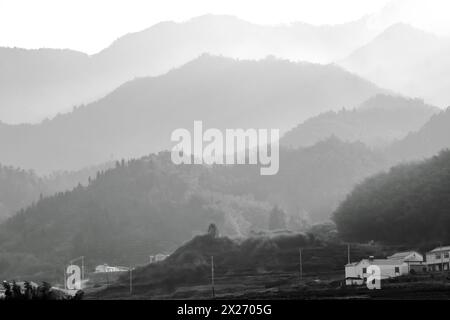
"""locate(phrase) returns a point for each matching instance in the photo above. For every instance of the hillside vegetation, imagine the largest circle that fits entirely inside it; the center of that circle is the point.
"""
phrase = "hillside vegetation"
(148, 206)
(20, 188)
(270, 256)
(408, 204)
(377, 122)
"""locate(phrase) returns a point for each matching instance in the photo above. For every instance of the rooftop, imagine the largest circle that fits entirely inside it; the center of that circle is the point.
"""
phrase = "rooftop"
(378, 262)
(385, 262)
(402, 255)
(439, 249)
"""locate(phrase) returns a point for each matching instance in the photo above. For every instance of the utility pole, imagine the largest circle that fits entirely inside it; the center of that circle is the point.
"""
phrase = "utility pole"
(82, 271)
(301, 263)
(107, 279)
(212, 277)
(348, 253)
(131, 281)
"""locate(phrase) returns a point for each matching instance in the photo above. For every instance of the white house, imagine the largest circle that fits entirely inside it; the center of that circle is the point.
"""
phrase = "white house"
(356, 273)
(105, 268)
(438, 259)
(414, 260)
(158, 257)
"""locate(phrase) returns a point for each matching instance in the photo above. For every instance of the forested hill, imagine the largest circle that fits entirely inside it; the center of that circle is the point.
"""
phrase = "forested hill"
(149, 206)
(312, 181)
(141, 207)
(377, 122)
(20, 188)
(408, 204)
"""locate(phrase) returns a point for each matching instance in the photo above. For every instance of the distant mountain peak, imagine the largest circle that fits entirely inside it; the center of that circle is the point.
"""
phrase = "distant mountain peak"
(401, 30)
(56, 85)
(407, 60)
(378, 121)
(138, 117)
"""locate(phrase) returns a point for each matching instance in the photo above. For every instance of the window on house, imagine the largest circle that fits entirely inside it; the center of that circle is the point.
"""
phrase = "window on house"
(397, 269)
(364, 270)
(446, 255)
(438, 256)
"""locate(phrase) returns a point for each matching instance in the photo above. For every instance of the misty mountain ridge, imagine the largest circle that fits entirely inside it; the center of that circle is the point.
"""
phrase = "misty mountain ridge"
(377, 122)
(20, 188)
(407, 60)
(41, 83)
(428, 141)
(140, 116)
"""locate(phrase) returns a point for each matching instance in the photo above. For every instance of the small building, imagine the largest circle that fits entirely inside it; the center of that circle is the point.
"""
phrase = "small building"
(414, 260)
(157, 258)
(105, 268)
(356, 273)
(438, 259)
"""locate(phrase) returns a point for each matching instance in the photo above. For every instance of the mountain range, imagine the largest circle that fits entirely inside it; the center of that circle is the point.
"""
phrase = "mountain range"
(376, 122)
(428, 141)
(149, 205)
(139, 117)
(341, 122)
(36, 84)
(406, 60)
(20, 188)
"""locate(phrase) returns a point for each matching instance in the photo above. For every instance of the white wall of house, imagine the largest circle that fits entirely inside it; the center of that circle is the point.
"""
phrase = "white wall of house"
(388, 269)
(392, 271)
(438, 257)
(105, 268)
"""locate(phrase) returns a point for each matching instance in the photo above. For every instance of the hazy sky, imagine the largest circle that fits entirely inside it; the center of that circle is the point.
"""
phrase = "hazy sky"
(90, 25)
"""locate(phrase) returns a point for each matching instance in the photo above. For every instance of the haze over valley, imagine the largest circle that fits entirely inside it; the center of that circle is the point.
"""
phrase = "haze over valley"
(85, 148)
